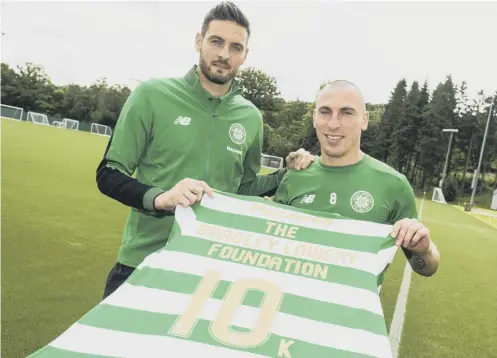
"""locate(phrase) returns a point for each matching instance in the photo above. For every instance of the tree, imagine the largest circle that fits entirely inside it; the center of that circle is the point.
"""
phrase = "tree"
(35, 90)
(293, 117)
(393, 111)
(467, 126)
(368, 136)
(259, 88)
(419, 122)
(10, 90)
(405, 132)
(433, 142)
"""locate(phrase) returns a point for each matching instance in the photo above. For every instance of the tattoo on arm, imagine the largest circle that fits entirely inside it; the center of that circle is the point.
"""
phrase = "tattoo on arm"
(424, 264)
(419, 262)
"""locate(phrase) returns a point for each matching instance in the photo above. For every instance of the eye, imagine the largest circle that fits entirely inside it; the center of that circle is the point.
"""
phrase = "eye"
(237, 48)
(216, 41)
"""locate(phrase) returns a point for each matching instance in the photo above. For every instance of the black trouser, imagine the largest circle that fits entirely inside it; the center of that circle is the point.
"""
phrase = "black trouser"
(117, 276)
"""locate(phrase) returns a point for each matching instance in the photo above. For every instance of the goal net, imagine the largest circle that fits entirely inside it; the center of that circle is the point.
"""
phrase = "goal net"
(272, 162)
(71, 124)
(59, 124)
(38, 118)
(11, 112)
(438, 196)
(101, 129)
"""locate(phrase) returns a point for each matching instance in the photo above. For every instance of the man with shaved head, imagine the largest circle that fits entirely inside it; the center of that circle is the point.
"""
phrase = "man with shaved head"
(348, 182)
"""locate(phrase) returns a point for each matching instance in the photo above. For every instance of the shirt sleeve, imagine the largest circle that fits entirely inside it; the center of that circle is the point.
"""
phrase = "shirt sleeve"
(127, 144)
(281, 195)
(252, 183)
(405, 206)
(404, 202)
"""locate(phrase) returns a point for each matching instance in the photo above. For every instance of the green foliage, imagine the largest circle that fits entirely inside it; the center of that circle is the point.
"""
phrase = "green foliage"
(406, 132)
(259, 88)
(449, 189)
(31, 89)
(393, 111)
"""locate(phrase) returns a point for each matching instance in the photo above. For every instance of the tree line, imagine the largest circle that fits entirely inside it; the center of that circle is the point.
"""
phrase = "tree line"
(406, 132)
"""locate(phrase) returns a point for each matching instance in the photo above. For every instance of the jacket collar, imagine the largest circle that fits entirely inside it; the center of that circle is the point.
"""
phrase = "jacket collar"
(193, 81)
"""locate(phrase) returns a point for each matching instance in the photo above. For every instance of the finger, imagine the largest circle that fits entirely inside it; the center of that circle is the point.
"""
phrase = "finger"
(197, 190)
(306, 161)
(183, 201)
(297, 163)
(289, 162)
(418, 236)
(396, 228)
(412, 229)
(207, 189)
(192, 198)
(292, 155)
(401, 233)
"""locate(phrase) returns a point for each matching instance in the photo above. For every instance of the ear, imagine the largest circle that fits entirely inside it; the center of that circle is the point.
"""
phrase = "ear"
(365, 121)
(198, 41)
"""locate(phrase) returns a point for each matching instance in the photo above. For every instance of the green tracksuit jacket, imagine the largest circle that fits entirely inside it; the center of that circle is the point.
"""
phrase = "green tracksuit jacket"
(171, 129)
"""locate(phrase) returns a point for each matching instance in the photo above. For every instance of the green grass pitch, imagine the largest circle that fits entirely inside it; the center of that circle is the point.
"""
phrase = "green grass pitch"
(60, 238)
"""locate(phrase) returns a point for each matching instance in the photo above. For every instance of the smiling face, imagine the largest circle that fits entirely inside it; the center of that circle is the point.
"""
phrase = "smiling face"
(339, 118)
(223, 50)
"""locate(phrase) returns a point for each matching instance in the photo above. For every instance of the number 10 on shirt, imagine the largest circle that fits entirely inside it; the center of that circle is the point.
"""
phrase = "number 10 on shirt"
(220, 325)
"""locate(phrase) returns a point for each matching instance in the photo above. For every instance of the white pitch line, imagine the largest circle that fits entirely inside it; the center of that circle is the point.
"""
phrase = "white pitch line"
(400, 307)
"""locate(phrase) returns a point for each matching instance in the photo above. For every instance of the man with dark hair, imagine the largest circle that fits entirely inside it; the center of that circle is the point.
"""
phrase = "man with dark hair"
(226, 11)
(348, 182)
(181, 137)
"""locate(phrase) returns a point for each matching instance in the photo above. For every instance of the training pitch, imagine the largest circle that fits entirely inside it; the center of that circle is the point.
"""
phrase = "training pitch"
(60, 238)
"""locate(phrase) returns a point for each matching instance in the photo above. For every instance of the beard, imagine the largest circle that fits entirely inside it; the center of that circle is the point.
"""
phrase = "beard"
(213, 75)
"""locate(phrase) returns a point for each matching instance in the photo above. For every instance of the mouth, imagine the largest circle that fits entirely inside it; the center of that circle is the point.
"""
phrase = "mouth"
(333, 139)
(221, 65)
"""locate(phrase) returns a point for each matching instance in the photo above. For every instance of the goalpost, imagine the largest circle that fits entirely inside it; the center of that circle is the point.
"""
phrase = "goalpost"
(101, 129)
(59, 124)
(71, 124)
(271, 162)
(438, 196)
(11, 112)
(38, 118)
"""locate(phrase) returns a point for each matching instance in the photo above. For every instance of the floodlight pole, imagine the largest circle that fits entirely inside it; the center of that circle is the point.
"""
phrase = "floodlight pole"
(481, 157)
(452, 131)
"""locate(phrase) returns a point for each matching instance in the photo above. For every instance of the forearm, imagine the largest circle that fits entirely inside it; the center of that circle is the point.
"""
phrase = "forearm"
(262, 185)
(125, 189)
(425, 264)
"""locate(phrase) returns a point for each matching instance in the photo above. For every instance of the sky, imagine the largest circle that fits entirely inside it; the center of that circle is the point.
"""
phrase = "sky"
(373, 44)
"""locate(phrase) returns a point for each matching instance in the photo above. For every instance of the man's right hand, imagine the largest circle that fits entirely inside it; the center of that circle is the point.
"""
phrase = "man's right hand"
(187, 192)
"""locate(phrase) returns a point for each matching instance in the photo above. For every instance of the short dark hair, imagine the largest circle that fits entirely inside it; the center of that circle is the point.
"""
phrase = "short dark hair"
(226, 11)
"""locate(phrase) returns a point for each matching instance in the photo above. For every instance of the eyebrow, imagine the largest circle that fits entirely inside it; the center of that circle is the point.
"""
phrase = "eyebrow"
(215, 37)
(348, 109)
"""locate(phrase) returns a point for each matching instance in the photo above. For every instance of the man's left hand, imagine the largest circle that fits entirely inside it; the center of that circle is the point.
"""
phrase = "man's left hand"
(301, 159)
(411, 235)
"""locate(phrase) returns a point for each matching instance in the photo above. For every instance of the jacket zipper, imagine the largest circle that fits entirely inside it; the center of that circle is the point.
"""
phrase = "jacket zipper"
(207, 162)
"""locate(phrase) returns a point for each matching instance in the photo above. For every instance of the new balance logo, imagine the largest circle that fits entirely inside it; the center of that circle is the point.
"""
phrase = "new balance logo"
(307, 199)
(184, 121)
(234, 150)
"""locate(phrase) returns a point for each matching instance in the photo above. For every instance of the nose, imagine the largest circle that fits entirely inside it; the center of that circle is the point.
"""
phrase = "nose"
(224, 53)
(334, 122)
